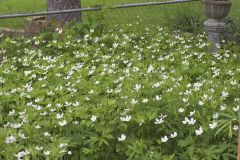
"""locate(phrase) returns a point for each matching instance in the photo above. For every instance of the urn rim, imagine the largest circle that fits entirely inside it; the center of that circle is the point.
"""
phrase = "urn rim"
(217, 2)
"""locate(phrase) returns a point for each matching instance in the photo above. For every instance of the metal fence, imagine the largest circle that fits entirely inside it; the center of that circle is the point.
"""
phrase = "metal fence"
(94, 9)
(117, 12)
(178, 14)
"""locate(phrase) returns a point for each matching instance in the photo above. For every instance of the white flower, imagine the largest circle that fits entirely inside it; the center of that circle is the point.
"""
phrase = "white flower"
(47, 134)
(150, 69)
(67, 104)
(235, 127)
(63, 145)
(213, 125)
(199, 131)
(16, 125)
(10, 139)
(127, 118)
(158, 98)
(141, 122)
(69, 152)
(201, 103)
(137, 87)
(115, 45)
(44, 113)
(197, 85)
(188, 121)
(215, 116)
(38, 148)
(63, 123)
(26, 73)
(37, 127)
(222, 108)
(236, 109)
(59, 116)
(76, 122)
(76, 104)
(21, 154)
(93, 118)
(159, 120)
(192, 113)
(12, 112)
(22, 136)
(192, 121)
(134, 101)
(109, 90)
(6, 125)
(164, 139)
(185, 100)
(90, 92)
(97, 82)
(145, 100)
(173, 135)
(46, 153)
(156, 85)
(60, 31)
(59, 105)
(224, 94)
(122, 138)
(38, 100)
(180, 110)
(2, 80)
(87, 98)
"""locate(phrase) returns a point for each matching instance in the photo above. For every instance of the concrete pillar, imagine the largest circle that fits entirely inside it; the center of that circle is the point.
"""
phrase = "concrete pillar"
(214, 29)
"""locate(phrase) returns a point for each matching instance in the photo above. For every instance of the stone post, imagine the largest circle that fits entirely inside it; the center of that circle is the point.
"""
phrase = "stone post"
(214, 29)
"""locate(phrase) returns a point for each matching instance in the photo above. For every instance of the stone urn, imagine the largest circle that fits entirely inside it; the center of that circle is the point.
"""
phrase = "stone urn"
(215, 10)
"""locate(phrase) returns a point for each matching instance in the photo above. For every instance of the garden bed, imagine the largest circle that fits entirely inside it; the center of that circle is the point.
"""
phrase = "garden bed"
(122, 95)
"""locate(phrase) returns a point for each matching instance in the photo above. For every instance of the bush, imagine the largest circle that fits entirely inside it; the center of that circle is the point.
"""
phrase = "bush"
(232, 31)
(186, 17)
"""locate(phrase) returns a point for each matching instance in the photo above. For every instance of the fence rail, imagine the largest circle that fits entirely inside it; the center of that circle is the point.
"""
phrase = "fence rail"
(94, 9)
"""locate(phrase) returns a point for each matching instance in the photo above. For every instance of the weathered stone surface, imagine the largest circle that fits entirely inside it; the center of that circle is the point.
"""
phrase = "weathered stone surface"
(214, 29)
(216, 9)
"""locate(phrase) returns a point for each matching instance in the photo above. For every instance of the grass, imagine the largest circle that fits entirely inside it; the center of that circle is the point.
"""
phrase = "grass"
(160, 15)
(153, 14)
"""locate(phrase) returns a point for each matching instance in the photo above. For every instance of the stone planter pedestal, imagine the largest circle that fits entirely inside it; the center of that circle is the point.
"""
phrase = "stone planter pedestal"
(215, 10)
(214, 30)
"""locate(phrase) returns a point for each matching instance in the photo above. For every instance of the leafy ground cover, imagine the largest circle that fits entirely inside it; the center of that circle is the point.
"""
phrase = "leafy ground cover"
(121, 95)
(174, 16)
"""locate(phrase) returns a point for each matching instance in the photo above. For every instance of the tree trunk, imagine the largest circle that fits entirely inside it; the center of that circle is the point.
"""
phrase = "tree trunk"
(57, 5)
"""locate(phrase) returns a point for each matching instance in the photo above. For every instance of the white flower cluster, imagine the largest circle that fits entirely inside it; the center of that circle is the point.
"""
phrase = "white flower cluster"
(153, 84)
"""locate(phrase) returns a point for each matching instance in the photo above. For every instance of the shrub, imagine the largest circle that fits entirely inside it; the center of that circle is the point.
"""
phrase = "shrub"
(186, 17)
(232, 31)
